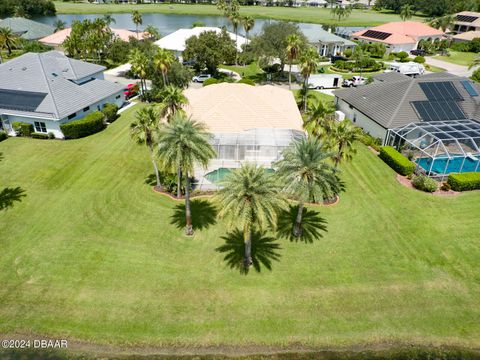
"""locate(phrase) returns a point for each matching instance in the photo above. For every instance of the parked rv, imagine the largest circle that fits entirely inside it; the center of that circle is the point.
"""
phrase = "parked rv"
(409, 68)
(324, 81)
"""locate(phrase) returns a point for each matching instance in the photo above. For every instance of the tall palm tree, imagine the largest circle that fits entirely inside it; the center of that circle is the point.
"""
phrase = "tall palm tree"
(173, 101)
(252, 198)
(406, 12)
(139, 62)
(137, 19)
(444, 22)
(308, 62)
(317, 120)
(163, 59)
(294, 45)
(59, 25)
(109, 19)
(308, 175)
(343, 136)
(8, 40)
(248, 24)
(142, 130)
(153, 32)
(183, 143)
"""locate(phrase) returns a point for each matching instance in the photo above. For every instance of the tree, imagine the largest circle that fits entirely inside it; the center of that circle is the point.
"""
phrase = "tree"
(142, 130)
(109, 19)
(137, 19)
(140, 63)
(59, 25)
(444, 22)
(308, 63)
(317, 119)
(8, 40)
(307, 174)
(27, 8)
(475, 62)
(343, 136)
(153, 32)
(173, 101)
(183, 143)
(163, 61)
(294, 45)
(341, 11)
(252, 198)
(248, 25)
(209, 49)
(406, 13)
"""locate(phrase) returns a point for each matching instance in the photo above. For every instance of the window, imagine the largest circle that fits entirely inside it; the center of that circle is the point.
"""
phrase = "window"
(72, 116)
(86, 109)
(40, 127)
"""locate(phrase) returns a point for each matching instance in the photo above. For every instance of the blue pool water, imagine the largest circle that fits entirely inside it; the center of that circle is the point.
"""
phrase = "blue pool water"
(454, 165)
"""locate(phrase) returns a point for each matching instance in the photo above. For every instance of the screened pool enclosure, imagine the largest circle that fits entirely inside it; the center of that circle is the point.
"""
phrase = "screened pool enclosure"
(439, 147)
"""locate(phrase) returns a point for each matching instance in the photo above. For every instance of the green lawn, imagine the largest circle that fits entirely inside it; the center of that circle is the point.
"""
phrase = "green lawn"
(304, 14)
(251, 70)
(459, 58)
(92, 253)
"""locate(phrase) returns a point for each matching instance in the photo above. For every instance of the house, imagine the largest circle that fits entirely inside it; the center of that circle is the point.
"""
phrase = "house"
(26, 29)
(327, 43)
(466, 21)
(50, 89)
(249, 123)
(399, 36)
(395, 100)
(56, 39)
(466, 36)
(176, 40)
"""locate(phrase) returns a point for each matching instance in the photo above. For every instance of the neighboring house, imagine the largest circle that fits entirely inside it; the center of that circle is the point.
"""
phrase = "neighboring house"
(347, 31)
(26, 29)
(49, 89)
(399, 36)
(326, 43)
(176, 40)
(466, 21)
(395, 100)
(56, 39)
(249, 123)
(466, 36)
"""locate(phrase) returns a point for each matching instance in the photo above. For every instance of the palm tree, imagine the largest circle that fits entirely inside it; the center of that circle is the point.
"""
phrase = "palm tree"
(251, 197)
(248, 24)
(308, 64)
(294, 44)
(153, 32)
(444, 22)
(109, 19)
(183, 143)
(475, 62)
(406, 12)
(142, 130)
(137, 19)
(59, 25)
(341, 11)
(235, 19)
(317, 120)
(307, 174)
(139, 62)
(163, 59)
(8, 40)
(173, 101)
(343, 136)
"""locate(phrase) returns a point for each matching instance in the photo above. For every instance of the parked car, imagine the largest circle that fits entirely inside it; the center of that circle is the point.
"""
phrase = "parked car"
(201, 78)
(354, 81)
(418, 52)
(130, 91)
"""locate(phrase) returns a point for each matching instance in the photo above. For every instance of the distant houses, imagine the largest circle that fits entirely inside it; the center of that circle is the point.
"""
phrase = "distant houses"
(27, 29)
(50, 89)
(466, 26)
(327, 43)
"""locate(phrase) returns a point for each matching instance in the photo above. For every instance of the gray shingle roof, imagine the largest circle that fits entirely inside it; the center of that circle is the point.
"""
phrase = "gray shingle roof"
(27, 29)
(315, 35)
(54, 74)
(388, 77)
(389, 103)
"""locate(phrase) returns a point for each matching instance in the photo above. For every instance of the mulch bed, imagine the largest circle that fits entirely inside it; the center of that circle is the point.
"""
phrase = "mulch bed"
(408, 183)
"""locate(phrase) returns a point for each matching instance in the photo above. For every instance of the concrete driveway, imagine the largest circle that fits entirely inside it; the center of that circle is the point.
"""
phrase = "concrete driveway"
(454, 69)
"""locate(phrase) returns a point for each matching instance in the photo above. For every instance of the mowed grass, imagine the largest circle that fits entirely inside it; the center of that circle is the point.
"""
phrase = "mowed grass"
(90, 253)
(459, 58)
(303, 14)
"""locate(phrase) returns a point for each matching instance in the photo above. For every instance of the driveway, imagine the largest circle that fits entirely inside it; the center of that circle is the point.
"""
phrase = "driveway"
(454, 69)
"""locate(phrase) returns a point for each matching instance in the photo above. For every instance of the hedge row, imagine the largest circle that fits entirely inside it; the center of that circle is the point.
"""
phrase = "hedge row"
(90, 124)
(465, 181)
(3, 135)
(23, 129)
(39, 136)
(397, 161)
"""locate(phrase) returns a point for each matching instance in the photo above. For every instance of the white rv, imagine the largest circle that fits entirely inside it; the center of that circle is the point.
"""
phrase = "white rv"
(409, 68)
(324, 81)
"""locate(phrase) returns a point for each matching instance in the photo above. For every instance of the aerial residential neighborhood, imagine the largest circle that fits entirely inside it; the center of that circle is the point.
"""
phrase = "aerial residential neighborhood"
(240, 179)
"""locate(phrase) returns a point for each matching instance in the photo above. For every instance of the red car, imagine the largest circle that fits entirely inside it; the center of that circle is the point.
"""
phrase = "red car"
(130, 91)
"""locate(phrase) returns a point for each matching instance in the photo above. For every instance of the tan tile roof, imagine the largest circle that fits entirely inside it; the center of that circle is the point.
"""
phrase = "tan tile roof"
(233, 108)
(467, 36)
(59, 37)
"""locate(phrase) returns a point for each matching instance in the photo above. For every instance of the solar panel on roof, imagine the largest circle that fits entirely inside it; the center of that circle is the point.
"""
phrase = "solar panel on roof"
(440, 90)
(376, 34)
(469, 87)
(438, 110)
(466, 18)
(20, 100)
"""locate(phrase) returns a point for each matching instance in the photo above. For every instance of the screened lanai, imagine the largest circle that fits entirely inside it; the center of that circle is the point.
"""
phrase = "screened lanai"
(439, 147)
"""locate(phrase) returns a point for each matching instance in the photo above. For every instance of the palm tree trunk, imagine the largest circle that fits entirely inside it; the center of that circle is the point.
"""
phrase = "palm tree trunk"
(305, 95)
(155, 166)
(297, 228)
(179, 182)
(247, 261)
(188, 211)
(290, 76)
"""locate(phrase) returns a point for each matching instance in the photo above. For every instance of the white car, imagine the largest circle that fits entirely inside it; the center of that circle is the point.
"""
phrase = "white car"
(354, 81)
(201, 78)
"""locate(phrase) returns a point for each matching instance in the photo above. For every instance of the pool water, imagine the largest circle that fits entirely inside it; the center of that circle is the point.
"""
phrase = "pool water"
(454, 166)
(220, 174)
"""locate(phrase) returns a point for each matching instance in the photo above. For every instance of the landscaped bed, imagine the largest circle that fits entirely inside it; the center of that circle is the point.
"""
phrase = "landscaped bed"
(89, 254)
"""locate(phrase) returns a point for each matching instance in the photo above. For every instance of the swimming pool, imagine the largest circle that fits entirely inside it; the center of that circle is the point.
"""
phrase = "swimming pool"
(220, 174)
(454, 165)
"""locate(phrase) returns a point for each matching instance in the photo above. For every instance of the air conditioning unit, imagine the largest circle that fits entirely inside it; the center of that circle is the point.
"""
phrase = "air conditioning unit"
(339, 115)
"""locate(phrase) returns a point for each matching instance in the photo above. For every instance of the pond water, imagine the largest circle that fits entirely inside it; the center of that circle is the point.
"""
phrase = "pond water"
(168, 23)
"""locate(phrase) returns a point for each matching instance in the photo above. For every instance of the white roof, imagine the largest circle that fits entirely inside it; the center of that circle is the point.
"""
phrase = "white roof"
(176, 40)
(234, 108)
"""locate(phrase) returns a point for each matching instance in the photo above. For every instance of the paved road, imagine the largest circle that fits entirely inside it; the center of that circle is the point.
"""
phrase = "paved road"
(451, 68)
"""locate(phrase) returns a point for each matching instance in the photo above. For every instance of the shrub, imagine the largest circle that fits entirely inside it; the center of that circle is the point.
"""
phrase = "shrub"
(210, 81)
(397, 161)
(110, 111)
(246, 81)
(51, 135)
(419, 59)
(39, 136)
(424, 183)
(3, 136)
(476, 76)
(23, 129)
(369, 140)
(90, 124)
(402, 56)
(445, 187)
(465, 181)
(169, 183)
